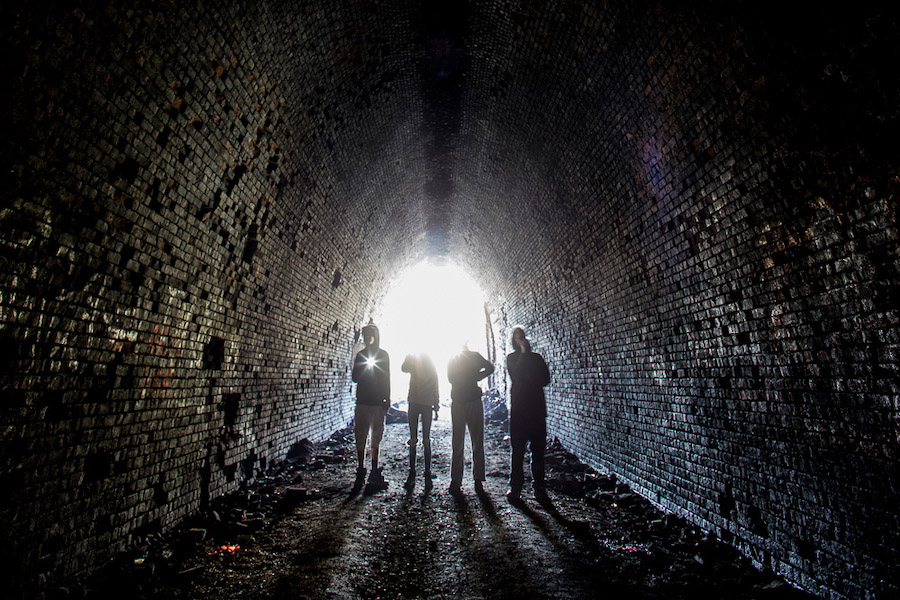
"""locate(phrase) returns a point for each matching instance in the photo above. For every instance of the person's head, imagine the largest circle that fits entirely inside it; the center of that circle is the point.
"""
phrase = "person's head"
(519, 341)
(370, 335)
(420, 360)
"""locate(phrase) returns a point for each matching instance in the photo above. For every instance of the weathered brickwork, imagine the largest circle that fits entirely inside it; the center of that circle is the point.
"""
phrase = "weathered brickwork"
(692, 210)
(695, 215)
(183, 277)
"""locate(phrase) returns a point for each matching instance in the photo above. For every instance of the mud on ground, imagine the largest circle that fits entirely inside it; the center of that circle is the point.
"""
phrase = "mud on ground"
(301, 532)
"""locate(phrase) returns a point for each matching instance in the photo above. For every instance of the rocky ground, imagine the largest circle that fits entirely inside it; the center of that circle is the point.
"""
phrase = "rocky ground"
(301, 532)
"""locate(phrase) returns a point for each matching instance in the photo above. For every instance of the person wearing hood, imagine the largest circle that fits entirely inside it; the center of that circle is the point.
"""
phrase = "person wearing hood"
(464, 371)
(372, 374)
(527, 415)
(423, 399)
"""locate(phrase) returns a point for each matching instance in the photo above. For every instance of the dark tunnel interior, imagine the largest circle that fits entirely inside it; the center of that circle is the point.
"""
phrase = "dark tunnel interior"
(692, 206)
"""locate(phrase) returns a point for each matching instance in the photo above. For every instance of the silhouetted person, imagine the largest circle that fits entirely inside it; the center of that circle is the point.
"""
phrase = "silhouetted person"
(464, 371)
(423, 399)
(372, 373)
(527, 415)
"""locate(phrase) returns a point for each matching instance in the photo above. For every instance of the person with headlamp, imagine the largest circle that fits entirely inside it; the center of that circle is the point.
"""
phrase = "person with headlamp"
(372, 374)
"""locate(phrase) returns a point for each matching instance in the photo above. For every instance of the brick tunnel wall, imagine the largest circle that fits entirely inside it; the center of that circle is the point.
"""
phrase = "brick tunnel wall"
(194, 230)
(695, 214)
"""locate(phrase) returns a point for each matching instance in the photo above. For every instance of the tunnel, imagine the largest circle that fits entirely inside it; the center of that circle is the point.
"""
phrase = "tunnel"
(692, 208)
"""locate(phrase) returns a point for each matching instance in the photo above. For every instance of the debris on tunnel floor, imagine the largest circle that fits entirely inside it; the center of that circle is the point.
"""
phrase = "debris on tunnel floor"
(299, 531)
(495, 410)
(395, 414)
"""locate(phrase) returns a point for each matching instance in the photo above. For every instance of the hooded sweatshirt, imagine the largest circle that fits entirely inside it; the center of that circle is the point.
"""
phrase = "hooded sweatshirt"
(423, 381)
(529, 375)
(372, 371)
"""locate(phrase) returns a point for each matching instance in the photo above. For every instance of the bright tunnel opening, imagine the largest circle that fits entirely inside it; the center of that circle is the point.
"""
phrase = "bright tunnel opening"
(434, 309)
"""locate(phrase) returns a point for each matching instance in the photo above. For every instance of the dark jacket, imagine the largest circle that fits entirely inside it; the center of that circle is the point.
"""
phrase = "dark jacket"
(373, 379)
(529, 374)
(423, 381)
(464, 371)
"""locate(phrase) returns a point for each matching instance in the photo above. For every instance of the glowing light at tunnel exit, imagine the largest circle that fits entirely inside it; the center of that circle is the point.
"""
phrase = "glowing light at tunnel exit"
(433, 309)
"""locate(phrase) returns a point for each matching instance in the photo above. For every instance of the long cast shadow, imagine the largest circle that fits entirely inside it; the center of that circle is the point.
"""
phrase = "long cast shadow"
(511, 574)
(613, 586)
(310, 561)
(580, 529)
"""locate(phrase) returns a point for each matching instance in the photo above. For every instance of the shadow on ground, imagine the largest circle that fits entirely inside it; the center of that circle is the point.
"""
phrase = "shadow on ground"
(299, 532)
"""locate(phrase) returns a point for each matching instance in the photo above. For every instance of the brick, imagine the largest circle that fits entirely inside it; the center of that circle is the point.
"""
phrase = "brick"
(693, 212)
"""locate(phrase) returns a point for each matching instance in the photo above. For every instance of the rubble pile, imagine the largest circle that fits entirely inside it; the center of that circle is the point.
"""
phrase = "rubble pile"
(225, 528)
(664, 548)
(396, 414)
(495, 410)
(566, 474)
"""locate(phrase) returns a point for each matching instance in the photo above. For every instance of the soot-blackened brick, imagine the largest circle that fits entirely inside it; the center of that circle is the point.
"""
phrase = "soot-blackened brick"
(214, 354)
(703, 218)
(231, 404)
(136, 138)
(97, 466)
(692, 209)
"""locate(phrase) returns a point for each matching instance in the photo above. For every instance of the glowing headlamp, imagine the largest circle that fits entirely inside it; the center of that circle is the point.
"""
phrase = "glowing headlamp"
(370, 362)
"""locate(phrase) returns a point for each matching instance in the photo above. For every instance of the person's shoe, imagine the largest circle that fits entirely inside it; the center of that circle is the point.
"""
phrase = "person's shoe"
(376, 478)
(411, 480)
(479, 487)
(540, 494)
(455, 489)
(514, 496)
(360, 478)
(429, 482)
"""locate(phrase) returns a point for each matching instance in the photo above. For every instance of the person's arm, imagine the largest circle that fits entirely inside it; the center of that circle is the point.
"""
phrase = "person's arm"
(434, 392)
(544, 372)
(486, 368)
(431, 378)
(387, 377)
(512, 365)
(359, 365)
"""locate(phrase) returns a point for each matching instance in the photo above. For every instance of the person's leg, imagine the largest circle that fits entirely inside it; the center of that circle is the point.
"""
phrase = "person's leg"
(413, 414)
(361, 426)
(517, 455)
(426, 438)
(475, 421)
(538, 445)
(458, 442)
(379, 414)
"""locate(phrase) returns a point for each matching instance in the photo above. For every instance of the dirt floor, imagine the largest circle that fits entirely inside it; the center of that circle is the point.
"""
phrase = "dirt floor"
(301, 532)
